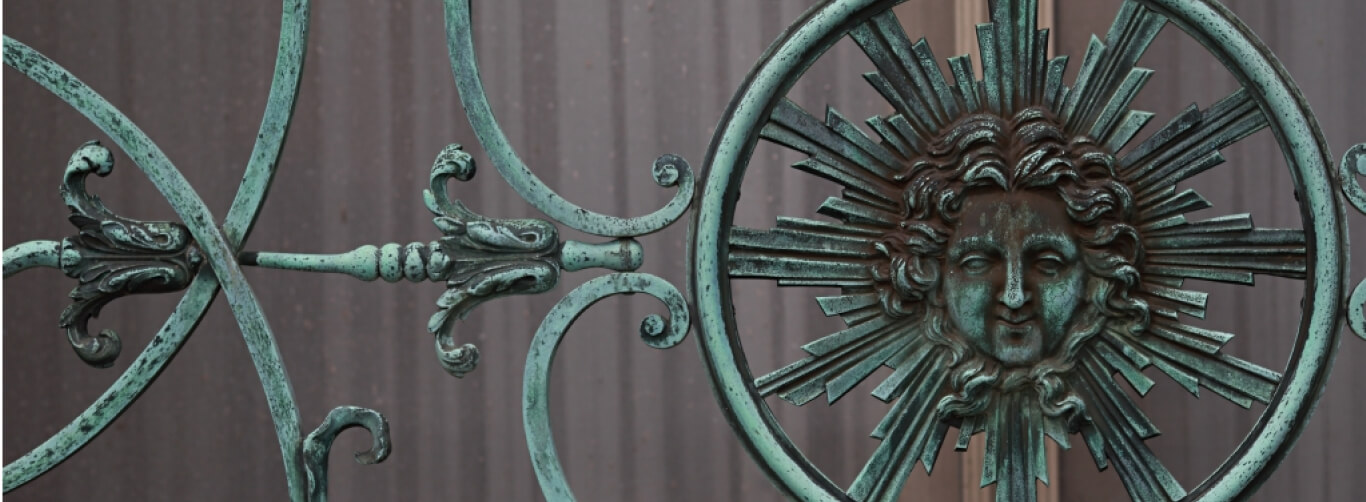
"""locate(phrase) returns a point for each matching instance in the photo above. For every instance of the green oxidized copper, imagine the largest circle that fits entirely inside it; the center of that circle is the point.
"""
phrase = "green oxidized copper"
(318, 444)
(991, 245)
(996, 251)
(656, 331)
(217, 248)
(1354, 165)
(113, 256)
(460, 42)
(479, 258)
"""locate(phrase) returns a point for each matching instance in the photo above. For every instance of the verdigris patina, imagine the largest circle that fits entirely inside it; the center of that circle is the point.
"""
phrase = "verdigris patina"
(1001, 243)
(1012, 248)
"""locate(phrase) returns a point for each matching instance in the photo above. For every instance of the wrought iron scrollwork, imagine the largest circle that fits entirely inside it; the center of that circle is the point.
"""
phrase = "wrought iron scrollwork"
(483, 258)
(656, 331)
(318, 444)
(1351, 172)
(995, 244)
(478, 257)
(113, 256)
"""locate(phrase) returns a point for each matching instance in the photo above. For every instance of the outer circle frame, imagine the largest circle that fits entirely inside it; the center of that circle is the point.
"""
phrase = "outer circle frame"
(1219, 31)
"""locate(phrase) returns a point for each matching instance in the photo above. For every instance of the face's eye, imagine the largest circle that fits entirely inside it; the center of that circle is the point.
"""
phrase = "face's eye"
(1049, 263)
(975, 263)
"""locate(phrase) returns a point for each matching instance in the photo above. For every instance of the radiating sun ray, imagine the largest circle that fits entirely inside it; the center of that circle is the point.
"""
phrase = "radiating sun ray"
(1144, 475)
(874, 225)
(1109, 78)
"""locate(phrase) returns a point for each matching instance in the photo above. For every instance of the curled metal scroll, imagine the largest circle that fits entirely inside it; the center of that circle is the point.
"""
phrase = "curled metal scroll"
(460, 40)
(1352, 169)
(193, 305)
(113, 256)
(318, 444)
(656, 331)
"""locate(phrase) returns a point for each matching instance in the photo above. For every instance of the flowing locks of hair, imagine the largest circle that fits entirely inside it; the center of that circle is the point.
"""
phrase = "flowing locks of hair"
(984, 153)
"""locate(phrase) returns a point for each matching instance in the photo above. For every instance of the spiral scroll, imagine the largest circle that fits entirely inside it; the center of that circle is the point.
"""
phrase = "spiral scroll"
(319, 443)
(668, 170)
(217, 248)
(656, 331)
(1351, 170)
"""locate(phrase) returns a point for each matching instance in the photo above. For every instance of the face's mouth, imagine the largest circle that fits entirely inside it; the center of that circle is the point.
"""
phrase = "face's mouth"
(1014, 334)
(1015, 319)
(1016, 344)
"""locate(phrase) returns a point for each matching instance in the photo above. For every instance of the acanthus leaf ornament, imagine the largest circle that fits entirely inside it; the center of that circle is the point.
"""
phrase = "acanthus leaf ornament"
(112, 256)
(997, 243)
(484, 258)
(478, 257)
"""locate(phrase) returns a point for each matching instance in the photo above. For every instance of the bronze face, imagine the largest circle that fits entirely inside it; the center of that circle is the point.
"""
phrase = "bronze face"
(1012, 280)
(1016, 249)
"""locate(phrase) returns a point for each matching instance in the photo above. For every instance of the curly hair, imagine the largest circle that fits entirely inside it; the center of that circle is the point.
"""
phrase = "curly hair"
(982, 154)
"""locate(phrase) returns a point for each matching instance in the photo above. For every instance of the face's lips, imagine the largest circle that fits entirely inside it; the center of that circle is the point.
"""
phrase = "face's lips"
(1015, 319)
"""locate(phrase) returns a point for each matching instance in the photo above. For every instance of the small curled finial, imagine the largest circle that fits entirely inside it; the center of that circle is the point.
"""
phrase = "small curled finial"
(452, 162)
(669, 168)
(318, 444)
(1354, 166)
(458, 361)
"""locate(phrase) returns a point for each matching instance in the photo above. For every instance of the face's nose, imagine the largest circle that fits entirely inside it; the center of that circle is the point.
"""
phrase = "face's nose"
(1014, 295)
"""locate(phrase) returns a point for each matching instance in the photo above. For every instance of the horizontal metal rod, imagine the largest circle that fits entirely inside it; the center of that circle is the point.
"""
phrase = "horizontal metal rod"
(31, 254)
(419, 262)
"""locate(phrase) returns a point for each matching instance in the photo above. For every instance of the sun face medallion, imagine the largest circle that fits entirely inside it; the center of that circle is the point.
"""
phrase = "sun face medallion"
(1010, 246)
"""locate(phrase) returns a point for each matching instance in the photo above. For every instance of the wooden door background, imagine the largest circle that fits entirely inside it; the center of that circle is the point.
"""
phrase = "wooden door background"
(590, 92)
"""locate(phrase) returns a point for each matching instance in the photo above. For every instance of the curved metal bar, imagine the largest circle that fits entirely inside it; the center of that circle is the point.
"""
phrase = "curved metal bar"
(1354, 165)
(1325, 227)
(26, 255)
(669, 170)
(1356, 310)
(172, 335)
(656, 331)
(126, 389)
(191, 209)
(806, 39)
(319, 443)
(270, 140)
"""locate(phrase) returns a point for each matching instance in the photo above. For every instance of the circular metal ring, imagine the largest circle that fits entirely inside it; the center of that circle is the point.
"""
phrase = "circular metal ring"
(1208, 22)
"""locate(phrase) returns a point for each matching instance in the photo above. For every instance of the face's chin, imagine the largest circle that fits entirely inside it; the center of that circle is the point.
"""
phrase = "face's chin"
(1016, 344)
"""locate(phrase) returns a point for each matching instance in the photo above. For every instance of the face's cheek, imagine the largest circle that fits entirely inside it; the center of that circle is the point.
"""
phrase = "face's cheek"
(969, 301)
(1059, 297)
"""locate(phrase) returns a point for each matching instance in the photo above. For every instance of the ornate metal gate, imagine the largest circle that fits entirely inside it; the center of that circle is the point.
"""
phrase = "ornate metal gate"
(1006, 243)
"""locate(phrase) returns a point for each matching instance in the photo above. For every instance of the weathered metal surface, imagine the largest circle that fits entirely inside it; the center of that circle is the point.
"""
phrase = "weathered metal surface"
(997, 244)
(1351, 170)
(656, 331)
(460, 41)
(114, 256)
(933, 253)
(131, 384)
(479, 258)
(318, 444)
(26, 255)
